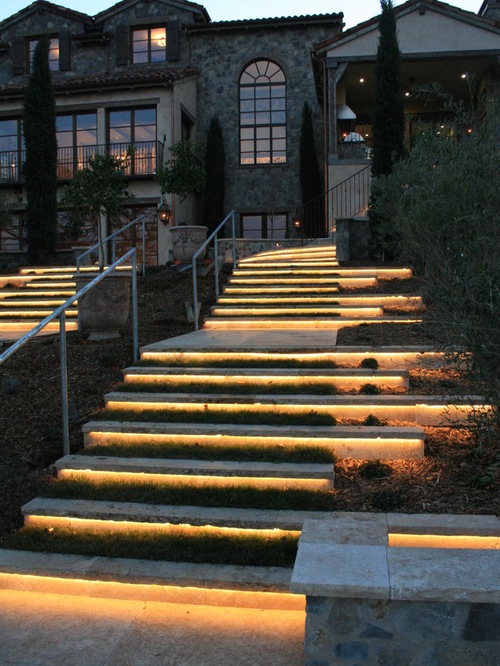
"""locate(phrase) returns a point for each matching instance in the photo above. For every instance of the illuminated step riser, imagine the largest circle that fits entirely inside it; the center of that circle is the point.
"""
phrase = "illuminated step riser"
(38, 303)
(357, 302)
(385, 358)
(389, 273)
(50, 285)
(64, 270)
(251, 380)
(127, 527)
(300, 324)
(166, 592)
(184, 481)
(23, 293)
(30, 314)
(438, 414)
(280, 290)
(332, 282)
(358, 442)
(297, 311)
(24, 327)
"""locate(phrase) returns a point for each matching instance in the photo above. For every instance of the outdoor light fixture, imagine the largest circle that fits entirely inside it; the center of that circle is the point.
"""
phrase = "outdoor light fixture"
(164, 213)
(297, 222)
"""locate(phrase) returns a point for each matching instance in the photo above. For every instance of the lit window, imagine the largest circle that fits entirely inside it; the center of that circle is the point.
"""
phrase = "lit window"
(134, 129)
(53, 53)
(262, 114)
(149, 45)
(76, 142)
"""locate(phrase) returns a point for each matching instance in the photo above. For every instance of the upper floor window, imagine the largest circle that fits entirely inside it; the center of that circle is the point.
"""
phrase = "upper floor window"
(53, 53)
(262, 114)
(149, 45)
(11, 147)
(134, 129)
(76, 141)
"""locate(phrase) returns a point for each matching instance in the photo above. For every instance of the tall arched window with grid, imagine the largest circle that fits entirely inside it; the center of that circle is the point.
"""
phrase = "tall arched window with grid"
(262, 114)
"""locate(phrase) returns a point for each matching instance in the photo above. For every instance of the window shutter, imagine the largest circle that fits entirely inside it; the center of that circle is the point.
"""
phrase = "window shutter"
(122, 45)
(64, 56)
(173, 40)
(18, 55)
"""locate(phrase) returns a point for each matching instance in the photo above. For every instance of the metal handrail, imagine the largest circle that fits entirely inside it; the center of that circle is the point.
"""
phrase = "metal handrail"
(60, 313)
(113, 244)
(214, 237)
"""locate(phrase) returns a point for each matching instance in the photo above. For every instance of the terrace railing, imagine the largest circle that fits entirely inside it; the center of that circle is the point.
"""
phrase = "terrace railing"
(143, 157)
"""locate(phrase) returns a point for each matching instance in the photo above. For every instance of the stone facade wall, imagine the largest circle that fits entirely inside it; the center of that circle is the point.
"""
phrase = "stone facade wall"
(221, 57)
(353, 632)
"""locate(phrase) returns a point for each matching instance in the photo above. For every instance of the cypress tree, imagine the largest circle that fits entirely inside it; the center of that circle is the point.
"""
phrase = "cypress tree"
(215, 176)
(388, 111)
(40, 168)
(310, 178)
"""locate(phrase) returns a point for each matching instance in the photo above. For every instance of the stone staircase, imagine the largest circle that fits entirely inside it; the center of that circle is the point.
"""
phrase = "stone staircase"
(34, 293)
(220, 443)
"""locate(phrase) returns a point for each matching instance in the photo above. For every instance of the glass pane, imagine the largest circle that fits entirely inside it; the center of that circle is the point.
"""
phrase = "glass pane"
(246, 78)
(263, 132)
(262, 92)
(158, 38)
(64, 123)
(247, 119)
(119, 118)
(272, 69)
(263, 104)
(146, 133)
(278, 91)
(263, 158)
(251, 226)
(8, 127)
(86, 137)
(145, 117)
(246, 146)
(279, 77)
(279, 145)
(278, 117)
(247, 158)
(262, 118)
(247, 93)
(247, 133)
(141, 57)
(262, 66)
(120, 135)
(279, 132)
(276, 226)
(247, 105)
(252, 70)
(86, 121)
(278, 104)
(279, 158)
(158, 55)
(263, 145)
(140, 35)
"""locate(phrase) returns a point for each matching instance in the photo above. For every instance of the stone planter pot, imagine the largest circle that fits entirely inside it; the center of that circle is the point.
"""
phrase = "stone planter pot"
(186, 241)
(104, 310)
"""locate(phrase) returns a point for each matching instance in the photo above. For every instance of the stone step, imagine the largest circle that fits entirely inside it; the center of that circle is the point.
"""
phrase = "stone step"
(23, 293)
(278, 272)
(347, 378)
(216, 346)
(7, 302)
(33, 313)
(206, 473)
(360, 442)
(316, 310)
(208, 468)
(145, 580)
(231, 289)
(302, 323)
(125, 516)
(22, 327)
(419, 409)
(361, 300)
(347, 282)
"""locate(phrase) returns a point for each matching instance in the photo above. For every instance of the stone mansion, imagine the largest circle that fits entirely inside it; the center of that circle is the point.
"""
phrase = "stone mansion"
(150, 73)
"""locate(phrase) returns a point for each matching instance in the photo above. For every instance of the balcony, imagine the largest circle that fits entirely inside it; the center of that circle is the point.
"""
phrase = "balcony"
(144, 160)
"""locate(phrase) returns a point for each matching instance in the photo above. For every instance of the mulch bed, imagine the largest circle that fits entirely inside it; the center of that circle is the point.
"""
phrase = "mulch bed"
(453, 477)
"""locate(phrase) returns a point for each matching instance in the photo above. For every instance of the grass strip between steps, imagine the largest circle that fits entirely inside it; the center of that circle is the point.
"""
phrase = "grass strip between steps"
(241, 453)
(176, 545)
(225, 386)
(212, 415)
(193, 494)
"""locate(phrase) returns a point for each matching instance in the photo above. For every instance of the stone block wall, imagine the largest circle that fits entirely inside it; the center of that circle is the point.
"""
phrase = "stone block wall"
(353, 632)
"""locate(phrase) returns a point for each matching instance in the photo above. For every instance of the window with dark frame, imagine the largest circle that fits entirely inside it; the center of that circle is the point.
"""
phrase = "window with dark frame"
(149, 45)
(134, 128)
(264, 225)
(53, 54)
(76, 141)
(262, 98)
(11, 147)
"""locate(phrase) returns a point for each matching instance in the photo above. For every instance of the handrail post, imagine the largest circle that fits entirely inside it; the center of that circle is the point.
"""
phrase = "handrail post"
(64, 383)
(143, 246)
(233, 224)
(195, 295)
(113, 250)
(135, 323)
(216, 267)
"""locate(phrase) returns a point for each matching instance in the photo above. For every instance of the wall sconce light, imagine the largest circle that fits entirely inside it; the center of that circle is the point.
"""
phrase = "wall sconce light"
(297, 222)
(164, 213)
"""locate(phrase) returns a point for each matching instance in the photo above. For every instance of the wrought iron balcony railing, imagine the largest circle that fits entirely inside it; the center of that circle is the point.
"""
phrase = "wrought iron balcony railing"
(144, 159)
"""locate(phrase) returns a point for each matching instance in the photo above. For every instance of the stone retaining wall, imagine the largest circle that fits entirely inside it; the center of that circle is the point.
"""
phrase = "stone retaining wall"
(369, 602)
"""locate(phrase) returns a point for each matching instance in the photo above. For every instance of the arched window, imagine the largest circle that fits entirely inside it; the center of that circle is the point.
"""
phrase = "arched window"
(262, 114)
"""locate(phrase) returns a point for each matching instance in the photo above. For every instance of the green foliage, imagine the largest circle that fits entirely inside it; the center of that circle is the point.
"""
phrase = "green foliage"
(443, 204)
(184, 174)
(6, 212)
(96, 190)
(310, 176)
(388, 112)
(215, 176)
(372, 420)
(40, 168)
(369, 389)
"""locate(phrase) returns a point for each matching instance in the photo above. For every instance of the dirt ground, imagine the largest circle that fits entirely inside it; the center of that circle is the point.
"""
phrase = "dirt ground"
(454, 476)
